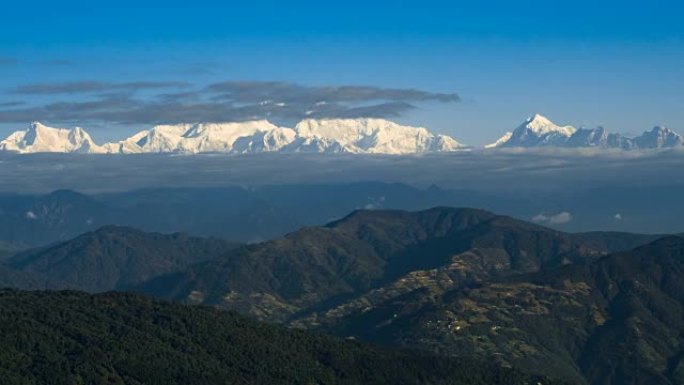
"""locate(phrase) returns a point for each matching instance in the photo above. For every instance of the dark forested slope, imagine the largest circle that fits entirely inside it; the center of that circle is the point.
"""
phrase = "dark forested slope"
(74, 338)
(115, 258)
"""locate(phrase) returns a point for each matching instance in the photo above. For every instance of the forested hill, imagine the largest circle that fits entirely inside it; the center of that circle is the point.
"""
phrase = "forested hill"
(114, 338)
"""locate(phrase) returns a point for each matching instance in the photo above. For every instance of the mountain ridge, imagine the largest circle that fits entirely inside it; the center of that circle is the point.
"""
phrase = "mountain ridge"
(538, 131)
(359, 136)
(365, 250)
(355, 136)
(115, 258)
(615, 319)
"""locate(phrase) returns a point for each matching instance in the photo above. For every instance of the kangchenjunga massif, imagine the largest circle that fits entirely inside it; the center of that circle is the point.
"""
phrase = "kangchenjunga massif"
(357, 136)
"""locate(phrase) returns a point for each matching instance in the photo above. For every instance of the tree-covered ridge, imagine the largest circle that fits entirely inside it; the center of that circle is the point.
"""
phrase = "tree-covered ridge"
(615, 320)
(115, 338)
(316, 267)
(116, 258)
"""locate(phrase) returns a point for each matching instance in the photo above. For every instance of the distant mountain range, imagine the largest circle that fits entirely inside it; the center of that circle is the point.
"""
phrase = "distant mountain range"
(258, 213)
(355, 136)
(539, 131)
(243, 214)
(358, 136)
(374, 242)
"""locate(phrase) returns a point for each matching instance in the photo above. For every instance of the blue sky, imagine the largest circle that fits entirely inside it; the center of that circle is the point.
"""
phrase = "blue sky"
(617, 64)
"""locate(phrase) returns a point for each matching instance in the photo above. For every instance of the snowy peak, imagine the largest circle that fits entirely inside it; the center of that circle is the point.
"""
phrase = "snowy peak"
(237, 137)
(375, 136)
(355, 136)
(372, 136)
(361, 136)
(659, 137)
(539, 131)
(41, 138)
(540, 125)
(501, 141)
(536, 131)
(588, 137)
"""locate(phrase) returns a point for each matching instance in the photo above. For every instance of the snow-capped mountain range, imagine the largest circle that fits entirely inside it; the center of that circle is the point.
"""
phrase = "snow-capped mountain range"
(357, 136)
(538, 131)
(41, 138)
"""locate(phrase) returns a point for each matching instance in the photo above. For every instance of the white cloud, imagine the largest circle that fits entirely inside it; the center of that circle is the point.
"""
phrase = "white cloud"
(31, 215)
(375, 203)
(553, 219)
(617, 217)
(539, 218)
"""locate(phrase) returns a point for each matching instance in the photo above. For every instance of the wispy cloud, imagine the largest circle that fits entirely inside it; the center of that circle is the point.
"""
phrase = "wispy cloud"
(294, 93)
(553, 219)
(91, 86)
(10, 104)
(226, 101)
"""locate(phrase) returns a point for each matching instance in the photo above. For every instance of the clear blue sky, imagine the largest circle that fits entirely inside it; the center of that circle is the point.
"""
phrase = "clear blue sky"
(614, 63)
